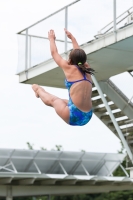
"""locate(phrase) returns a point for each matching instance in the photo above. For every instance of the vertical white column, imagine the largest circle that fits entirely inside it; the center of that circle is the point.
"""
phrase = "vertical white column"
(114, 17)
(66, 24)
(30, 52)
(49, 197)
(114, 13)
(26, 54)
(9, 193)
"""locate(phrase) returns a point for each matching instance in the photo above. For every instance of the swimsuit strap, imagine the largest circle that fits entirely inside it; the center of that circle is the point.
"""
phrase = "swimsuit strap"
(83, 73)
(69, 83)
(84, 76)
(78, 68)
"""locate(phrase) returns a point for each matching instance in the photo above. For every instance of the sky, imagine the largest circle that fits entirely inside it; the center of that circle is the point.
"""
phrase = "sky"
(25, 118)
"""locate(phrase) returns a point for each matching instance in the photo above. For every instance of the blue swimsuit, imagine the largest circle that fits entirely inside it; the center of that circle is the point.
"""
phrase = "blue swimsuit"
(77, 117)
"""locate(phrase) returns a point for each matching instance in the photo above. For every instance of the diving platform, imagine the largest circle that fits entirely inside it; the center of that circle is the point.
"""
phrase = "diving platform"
(109, 55)
(37, 172)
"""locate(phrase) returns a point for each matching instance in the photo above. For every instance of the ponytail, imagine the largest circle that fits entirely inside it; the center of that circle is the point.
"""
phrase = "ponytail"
(86, 70)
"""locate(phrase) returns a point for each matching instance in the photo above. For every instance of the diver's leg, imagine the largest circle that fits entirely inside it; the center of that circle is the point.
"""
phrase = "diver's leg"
(60, 105)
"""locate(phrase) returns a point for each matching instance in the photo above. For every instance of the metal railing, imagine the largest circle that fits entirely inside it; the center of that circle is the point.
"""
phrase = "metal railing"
(28, 56)
(25, 32)
(115, 22)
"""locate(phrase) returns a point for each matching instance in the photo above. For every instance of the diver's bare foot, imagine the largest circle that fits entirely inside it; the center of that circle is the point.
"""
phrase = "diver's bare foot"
(35, 88)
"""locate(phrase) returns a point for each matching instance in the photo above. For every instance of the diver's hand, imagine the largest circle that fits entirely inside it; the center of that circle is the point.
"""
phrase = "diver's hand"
(73, 39)
(69, 35)
(51, 35)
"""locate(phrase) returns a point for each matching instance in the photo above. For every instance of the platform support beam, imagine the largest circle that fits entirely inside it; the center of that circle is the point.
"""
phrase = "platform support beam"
(124, 170)
(9, 193)
(113, 119)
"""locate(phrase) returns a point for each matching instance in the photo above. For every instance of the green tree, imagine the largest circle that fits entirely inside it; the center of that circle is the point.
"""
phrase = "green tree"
(44, 149)
(30, 146)
(58, 148)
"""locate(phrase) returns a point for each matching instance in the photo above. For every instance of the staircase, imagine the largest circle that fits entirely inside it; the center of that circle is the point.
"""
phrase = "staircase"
(121, 108)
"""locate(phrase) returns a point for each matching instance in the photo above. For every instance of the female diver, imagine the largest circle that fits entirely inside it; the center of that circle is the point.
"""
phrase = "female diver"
(77, 111)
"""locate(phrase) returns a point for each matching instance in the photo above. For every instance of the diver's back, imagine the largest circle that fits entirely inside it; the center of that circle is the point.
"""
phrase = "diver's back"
(81, 88)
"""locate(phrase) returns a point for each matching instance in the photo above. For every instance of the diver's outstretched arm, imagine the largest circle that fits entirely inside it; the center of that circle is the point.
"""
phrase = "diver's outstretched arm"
(75, 44)
(73, 39)
(54, 51)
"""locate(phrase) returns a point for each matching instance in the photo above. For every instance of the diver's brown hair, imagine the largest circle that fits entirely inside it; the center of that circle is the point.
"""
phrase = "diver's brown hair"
(79, 57)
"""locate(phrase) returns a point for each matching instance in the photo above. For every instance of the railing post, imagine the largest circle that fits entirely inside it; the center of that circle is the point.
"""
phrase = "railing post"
(114, 13)
(66, 23)
(26, 54)
(30, 52)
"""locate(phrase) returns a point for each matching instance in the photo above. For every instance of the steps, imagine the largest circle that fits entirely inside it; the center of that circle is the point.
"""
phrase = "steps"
(121, 109)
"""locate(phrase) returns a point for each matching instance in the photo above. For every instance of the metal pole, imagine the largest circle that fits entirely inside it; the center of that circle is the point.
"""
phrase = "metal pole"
(87, 173)
(113, 119)
(49, 16)
(114, 7)
(114, 13)
(26, 54)
(46, 38)
(9, 193)
(29, 52)
(66, 23)
(124, 170)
